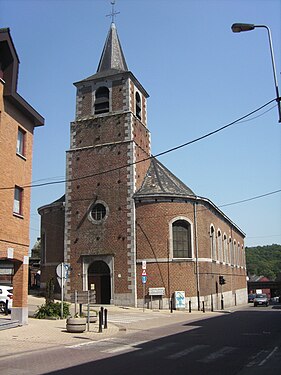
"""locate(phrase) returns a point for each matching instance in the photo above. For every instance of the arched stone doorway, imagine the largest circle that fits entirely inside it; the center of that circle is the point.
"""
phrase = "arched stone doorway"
(99, 277)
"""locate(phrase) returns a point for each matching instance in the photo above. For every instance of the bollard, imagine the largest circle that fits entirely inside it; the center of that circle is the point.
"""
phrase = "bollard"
(80, 309)
(189, 303)
(100, 321)
(105, 319)
(6, 308)
(101, 309)
(203, 306)
(171, 306)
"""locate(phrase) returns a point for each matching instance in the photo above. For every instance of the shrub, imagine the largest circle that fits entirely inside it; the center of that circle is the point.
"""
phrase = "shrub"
(52, 310)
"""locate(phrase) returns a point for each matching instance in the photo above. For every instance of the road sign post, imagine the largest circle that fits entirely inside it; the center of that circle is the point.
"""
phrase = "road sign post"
(143, 280)
(62, 275)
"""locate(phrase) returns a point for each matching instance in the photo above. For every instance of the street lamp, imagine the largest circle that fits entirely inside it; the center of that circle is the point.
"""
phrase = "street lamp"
(240, 27)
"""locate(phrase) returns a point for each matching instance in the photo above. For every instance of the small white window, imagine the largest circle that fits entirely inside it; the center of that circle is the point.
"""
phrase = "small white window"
(18, 195)
(21, 142)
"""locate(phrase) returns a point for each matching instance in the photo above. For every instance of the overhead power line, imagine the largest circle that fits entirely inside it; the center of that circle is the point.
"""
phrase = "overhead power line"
(150, 157)
(250, 199)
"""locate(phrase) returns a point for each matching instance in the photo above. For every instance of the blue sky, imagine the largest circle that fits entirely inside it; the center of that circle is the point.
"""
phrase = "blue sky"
(200, 76)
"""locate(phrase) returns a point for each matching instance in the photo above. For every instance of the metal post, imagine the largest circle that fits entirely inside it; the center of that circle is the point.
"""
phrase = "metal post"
(88, 310)
(75, 302)
(62, 280)
(273, 68)
(100, 321)
(189, 303)
(105, 319)
(143, 296)
(222, 305)
(101, 310)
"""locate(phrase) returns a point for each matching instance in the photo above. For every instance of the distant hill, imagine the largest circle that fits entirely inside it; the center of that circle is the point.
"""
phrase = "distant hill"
(264, 261)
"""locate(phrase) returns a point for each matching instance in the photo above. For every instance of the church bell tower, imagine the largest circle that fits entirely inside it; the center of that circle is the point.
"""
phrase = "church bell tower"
(109, 138)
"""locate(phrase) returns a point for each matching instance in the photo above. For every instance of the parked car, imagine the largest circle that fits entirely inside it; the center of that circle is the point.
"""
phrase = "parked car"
(6, 294)
(261, 299)
(251, 297)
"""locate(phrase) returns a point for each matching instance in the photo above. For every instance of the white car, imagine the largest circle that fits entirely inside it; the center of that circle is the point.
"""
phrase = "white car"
(6, 294)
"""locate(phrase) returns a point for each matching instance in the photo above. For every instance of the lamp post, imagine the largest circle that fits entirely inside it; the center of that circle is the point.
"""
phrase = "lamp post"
(240, 27)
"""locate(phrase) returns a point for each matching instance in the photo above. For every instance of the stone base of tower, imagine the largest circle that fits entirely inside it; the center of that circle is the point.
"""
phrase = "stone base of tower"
(124, 299)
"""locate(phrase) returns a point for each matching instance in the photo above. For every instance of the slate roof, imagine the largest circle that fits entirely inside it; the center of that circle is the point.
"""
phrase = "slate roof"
(160, 182)
(112, 55)
(112, 59)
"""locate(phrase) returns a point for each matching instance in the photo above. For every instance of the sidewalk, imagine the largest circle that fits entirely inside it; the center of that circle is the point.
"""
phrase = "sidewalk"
(45, 334)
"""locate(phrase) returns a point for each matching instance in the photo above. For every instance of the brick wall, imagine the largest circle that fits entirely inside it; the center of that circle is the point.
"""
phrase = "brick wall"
(154, 246)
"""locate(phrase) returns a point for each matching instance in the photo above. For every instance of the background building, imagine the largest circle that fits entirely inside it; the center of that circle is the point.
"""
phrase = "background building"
(17, 122)
(124, 211)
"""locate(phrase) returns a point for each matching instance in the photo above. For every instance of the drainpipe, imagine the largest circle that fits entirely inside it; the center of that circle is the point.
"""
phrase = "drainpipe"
(196, 259)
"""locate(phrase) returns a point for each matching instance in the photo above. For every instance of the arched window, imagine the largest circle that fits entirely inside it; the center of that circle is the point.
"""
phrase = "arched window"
(102, 100)
(220, 253)
(234, 253)
(230, 249)
(225, 254)
(243, 255)
(238, 255)
(182, 239)
(138, 105)
(213, 242)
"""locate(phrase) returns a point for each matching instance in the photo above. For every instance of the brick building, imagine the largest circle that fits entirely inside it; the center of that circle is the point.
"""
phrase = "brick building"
(17, 122)
(124, 210)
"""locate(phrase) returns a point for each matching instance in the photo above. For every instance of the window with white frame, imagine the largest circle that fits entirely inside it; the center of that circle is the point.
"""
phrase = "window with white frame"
(243, 256)
(181, 230)
(230, 250)
(21, 142)
(18, 197)
(225, 253)
(234, 253)
(213, 242)
(238, 255)
(220, 252)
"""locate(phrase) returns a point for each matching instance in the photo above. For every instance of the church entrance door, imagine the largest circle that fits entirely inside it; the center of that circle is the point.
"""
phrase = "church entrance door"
(99, 277)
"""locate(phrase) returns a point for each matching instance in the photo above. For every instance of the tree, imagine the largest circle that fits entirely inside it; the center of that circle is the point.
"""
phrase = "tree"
(264, 260)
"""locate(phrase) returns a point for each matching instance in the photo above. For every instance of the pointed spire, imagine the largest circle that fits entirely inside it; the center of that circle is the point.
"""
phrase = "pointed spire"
(112, 55)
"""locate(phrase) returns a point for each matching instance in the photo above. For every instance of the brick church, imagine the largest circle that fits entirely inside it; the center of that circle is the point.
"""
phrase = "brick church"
(124, 214)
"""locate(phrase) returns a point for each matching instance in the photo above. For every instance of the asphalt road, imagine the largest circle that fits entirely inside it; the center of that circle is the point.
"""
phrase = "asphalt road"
(246, 342)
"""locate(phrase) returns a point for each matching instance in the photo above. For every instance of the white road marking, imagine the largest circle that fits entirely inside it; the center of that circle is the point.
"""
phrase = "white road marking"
(218, 354)
(88, 343)
(125, 347)
(157, 349)
(130, 318)
(269, 355)
(255, 358)
(186, 351)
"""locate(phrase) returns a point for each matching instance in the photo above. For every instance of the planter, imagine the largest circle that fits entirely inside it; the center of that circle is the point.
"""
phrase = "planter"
(76, 325)
(92, 318)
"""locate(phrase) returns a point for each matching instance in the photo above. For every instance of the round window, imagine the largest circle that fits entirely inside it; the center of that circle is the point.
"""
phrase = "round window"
(98, 212)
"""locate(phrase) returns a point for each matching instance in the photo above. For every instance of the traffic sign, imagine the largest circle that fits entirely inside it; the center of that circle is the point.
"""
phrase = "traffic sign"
(62, 270)
(143, 273)
(144, 279)
(144, 264)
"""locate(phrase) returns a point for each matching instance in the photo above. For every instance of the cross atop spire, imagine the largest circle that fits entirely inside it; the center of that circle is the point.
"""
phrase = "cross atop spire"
(113, 12)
